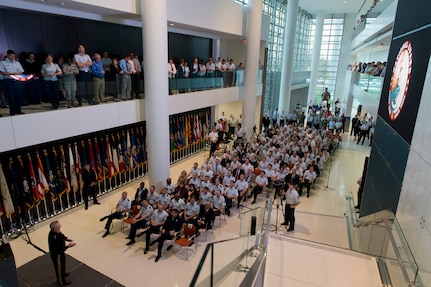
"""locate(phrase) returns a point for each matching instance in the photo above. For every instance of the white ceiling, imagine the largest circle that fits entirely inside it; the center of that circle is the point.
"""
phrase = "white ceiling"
(312, 6)
(333, 6)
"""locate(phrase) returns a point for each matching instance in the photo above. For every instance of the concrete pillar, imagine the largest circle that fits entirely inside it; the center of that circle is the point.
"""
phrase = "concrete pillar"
(287, 66)
(253, 27)
(344, 60)
(155, 44)
(320, 18)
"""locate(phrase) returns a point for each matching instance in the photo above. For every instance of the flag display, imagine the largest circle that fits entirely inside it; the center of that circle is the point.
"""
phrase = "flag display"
(188, 129)
(117, 155)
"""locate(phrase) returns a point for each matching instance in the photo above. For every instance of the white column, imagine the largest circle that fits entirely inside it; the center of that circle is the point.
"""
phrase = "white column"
(253, 27)
(344, 60)
(289, 44)
(320, 18)
(155, 43)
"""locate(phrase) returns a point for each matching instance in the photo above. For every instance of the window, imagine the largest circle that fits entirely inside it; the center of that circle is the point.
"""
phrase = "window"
(329, 54)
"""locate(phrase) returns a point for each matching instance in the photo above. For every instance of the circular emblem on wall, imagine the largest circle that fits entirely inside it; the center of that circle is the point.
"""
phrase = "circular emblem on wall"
(400, 80)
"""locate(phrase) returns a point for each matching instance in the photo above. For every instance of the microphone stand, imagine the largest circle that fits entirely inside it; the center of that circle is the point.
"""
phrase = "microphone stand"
(25, 234)
(329, 173)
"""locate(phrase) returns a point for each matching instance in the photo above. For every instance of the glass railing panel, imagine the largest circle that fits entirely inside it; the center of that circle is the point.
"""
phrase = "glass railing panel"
(259, 76)
(203, 272)
(229, 267)
(371, 84)
(239, 78)
(246, 216)
(380, 235)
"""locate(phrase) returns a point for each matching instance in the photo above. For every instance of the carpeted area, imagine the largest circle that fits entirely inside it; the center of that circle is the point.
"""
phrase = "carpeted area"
(40, 272)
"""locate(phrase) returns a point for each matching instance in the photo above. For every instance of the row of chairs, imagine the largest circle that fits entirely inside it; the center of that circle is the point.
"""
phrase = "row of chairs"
(184, 238)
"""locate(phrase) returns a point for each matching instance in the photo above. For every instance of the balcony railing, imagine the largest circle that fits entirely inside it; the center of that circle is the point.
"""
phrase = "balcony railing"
(209, 81)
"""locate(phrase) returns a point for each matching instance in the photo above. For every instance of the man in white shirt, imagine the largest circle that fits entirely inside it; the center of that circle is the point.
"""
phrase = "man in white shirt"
(261, 182)
(83, 62)
(308, 179)
(122, 206)
(213, 136)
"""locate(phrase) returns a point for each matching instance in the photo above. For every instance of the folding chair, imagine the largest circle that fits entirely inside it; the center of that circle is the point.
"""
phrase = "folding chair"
(189, 231)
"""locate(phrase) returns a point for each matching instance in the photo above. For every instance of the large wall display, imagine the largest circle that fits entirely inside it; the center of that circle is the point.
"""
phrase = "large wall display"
(405, 75)
(399, 103)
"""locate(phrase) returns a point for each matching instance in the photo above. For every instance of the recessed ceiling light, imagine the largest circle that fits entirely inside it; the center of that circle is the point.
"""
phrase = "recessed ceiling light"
(62, 4)
(171, 24)
(344, 2)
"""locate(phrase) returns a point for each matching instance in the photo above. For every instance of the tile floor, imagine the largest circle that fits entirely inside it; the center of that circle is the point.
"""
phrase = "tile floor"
(319, 219)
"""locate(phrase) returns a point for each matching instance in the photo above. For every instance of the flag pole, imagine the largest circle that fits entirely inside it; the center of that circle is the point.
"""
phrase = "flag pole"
(2, 230)
(54, 211)
(46, 209)
(61, 203)
(78, 174)
(104, 170)
(38, 213)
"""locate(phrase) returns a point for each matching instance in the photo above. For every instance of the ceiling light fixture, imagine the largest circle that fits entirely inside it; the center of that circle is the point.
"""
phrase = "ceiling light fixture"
(171, 24)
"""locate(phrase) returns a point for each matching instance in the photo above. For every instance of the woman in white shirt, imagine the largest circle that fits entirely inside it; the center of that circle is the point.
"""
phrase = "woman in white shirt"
(49, 72)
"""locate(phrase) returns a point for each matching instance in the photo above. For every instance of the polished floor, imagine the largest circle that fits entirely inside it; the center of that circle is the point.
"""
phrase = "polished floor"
(319, 219)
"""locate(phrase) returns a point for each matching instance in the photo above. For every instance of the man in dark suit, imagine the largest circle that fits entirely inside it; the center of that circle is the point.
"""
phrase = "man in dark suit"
(172, 225)
(57, 247)
(89, 178)
(206, 216)
(141, 193)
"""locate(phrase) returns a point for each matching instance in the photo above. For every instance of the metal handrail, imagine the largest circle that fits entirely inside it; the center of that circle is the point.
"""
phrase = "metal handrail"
(388, 228)
(397, 252)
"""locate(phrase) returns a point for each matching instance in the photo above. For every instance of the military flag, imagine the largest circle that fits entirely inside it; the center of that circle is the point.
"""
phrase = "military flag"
(7, 206)
(72, 170)
(64, 178)
(36, 191)
(98, 162)
(51, 177)
(133, 151)
(43, 183)
(58, 175)
(111, 166)
(78, 165)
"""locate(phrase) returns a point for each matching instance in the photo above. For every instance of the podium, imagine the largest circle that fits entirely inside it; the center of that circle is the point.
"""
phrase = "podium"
(8, 275)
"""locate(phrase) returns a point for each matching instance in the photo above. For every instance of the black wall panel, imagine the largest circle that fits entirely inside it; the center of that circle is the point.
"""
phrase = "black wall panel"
(43, 33)
(3, 39)
(22, 28)
(188, 47)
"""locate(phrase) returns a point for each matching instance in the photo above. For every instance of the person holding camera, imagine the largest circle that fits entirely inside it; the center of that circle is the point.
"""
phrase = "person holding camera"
(292, 201)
